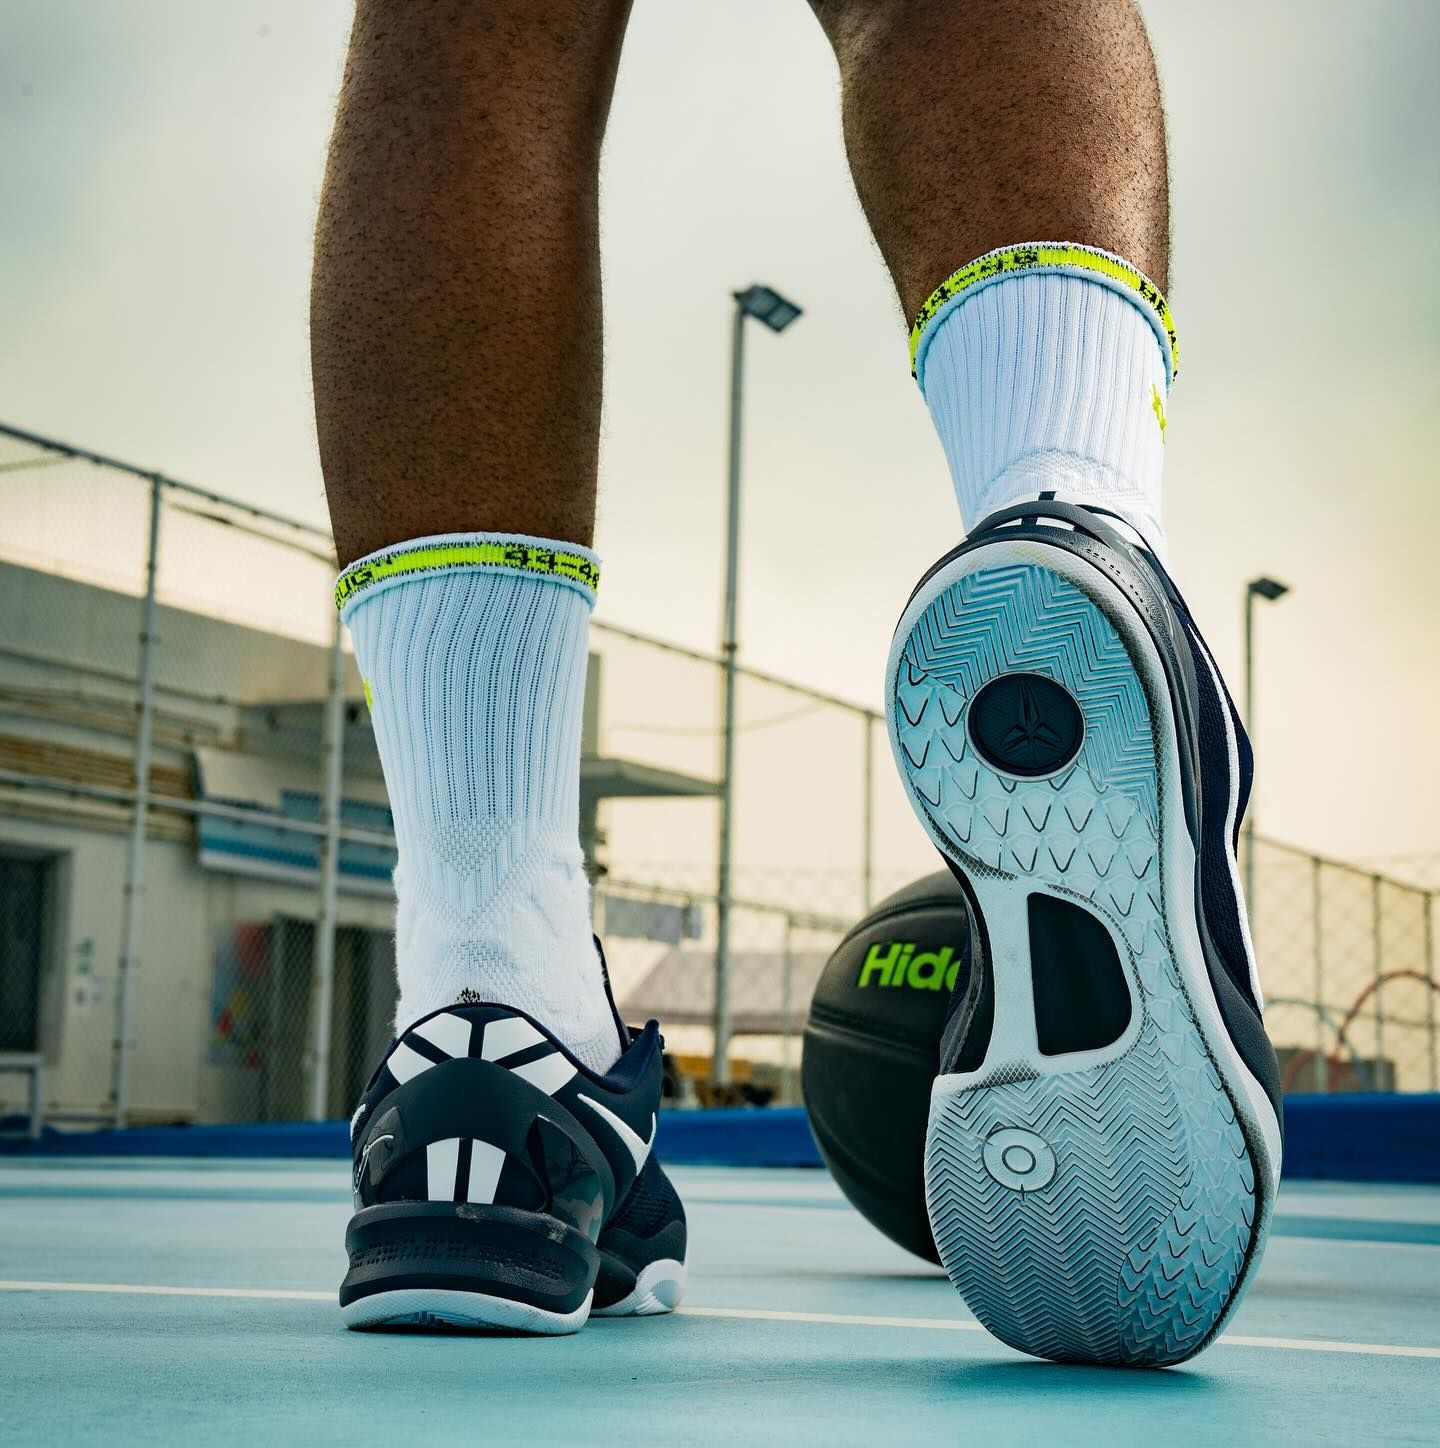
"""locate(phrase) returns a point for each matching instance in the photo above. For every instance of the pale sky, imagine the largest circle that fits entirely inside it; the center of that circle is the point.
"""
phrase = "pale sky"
(159, 167)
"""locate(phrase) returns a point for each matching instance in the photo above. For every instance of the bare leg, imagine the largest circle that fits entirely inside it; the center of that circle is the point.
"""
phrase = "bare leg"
(455, 324)
(981, 124)
(455, 316)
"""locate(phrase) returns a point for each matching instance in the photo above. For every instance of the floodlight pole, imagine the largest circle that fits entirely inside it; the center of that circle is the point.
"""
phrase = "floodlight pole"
(776, 312)
(720, 1052)
(1269, 589)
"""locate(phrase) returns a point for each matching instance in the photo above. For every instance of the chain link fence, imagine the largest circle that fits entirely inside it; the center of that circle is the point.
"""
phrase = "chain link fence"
(1348, 960)
(224, 952)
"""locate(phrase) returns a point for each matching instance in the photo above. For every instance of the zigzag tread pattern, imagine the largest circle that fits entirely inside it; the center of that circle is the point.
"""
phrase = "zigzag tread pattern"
(1026, 619)
(1131, 1252)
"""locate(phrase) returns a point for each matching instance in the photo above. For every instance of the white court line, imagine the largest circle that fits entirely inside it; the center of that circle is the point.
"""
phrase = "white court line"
(946, 1324)
(132, 1289)
(844, 1319)
(745, 1314)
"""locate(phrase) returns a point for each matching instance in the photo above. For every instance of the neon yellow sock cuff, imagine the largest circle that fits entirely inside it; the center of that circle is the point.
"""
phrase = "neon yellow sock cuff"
(1038, 258)
(565, 563)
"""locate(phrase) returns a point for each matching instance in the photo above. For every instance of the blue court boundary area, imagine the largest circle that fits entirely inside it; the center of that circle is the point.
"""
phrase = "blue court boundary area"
(1360, 1138)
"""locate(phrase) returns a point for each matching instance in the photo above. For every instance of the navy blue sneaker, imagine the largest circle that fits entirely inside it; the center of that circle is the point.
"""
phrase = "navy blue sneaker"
(1104, 1136)
(500, 1184)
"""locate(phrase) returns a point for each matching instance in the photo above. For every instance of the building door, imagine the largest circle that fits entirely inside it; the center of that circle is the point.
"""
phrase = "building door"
(26, 882)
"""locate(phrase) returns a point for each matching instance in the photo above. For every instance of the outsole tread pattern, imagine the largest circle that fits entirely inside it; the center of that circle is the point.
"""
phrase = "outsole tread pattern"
(1130, 1253)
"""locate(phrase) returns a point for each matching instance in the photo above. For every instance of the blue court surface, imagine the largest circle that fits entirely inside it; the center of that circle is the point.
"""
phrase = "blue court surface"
(165, 1301)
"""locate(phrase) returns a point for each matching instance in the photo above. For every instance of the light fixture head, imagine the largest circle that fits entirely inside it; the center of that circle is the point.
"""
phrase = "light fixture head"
(1269, 588)
(768, 306)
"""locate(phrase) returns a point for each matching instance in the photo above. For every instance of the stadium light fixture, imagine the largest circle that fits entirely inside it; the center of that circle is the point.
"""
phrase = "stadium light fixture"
(766, 305)
(1270, 589)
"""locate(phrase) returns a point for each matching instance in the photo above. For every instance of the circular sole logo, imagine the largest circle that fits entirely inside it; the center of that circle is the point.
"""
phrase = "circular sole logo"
(1026, 725)
(1018, 1159)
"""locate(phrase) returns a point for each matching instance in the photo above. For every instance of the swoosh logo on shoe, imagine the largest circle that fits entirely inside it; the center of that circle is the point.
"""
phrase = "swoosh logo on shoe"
(369, 1147)
(636, 1145)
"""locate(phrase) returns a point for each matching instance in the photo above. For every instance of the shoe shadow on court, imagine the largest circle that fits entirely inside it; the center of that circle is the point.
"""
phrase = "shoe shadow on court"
(1036, 1378)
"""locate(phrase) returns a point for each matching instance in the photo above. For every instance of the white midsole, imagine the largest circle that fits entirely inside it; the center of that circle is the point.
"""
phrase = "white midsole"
(454, 1308)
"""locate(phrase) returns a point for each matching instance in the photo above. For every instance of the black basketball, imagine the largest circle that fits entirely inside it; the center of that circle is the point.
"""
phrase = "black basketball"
(872, 1047)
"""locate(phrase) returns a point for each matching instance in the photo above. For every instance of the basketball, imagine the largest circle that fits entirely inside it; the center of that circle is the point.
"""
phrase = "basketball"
(872, 1048)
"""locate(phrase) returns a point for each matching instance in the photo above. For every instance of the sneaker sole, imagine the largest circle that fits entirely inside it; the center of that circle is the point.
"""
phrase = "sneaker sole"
(466, 1265)
(441, 1307)
(1104, 1205)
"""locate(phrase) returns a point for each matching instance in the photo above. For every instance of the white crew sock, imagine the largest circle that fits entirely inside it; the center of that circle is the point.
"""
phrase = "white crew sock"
(473, 649)
(1046, 370)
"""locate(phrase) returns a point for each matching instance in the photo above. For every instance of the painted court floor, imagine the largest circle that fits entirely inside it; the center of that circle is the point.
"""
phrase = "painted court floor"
(157, 1302)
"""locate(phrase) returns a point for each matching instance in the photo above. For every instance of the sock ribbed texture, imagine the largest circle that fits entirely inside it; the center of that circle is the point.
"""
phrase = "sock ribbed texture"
(475, 673)
(1048, 382)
